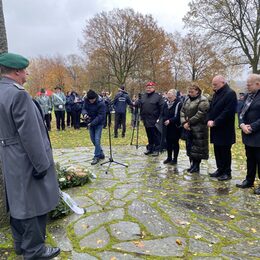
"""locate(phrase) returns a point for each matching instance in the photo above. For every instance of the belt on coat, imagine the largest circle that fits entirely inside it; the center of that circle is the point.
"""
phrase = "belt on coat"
(9, 141)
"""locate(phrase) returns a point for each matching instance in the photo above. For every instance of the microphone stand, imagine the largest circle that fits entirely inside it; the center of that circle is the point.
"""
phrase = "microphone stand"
(111, 160)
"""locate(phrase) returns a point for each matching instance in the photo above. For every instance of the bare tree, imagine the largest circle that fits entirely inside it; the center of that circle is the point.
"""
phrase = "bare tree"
(121, 37)
(199, 58)
(233, 24)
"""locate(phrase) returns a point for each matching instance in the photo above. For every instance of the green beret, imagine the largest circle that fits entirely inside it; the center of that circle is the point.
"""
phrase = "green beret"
(14, 61)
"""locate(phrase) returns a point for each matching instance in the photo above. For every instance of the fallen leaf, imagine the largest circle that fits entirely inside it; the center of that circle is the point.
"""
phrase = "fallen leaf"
(198, 236)
(113, 258)
(139, 244)
(232, 216)
(178, 242)
(143, 234)
(99, 241)
(253, 230)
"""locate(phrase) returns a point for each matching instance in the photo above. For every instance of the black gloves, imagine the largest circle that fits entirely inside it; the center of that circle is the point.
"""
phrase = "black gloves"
(38, 175)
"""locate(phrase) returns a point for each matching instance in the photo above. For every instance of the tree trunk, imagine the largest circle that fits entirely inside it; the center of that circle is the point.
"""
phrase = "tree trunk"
(3, 215)
(3, 48)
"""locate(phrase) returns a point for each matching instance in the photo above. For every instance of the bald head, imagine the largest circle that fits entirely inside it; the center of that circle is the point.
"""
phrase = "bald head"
(253, 83)
(218, 82)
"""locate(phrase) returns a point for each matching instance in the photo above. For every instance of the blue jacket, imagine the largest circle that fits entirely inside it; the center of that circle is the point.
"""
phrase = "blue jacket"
(96, 111)
(121, 101)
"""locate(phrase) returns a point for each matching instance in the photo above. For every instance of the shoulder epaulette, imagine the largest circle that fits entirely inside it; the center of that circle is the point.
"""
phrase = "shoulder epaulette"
(19, 86)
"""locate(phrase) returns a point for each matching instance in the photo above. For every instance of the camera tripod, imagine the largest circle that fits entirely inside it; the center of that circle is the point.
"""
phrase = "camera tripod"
(136, 126)
(111, 160)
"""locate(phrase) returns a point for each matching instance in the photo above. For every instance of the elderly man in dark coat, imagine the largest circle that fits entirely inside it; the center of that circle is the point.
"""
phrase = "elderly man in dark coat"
(250, 125)
(28, 168)
(151, 106)
(221, 120)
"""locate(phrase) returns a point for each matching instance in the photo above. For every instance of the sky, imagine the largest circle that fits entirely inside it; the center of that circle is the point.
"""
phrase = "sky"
(51, 27)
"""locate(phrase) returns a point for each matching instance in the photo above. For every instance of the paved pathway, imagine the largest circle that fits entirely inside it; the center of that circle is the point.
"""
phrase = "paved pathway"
(153, 211)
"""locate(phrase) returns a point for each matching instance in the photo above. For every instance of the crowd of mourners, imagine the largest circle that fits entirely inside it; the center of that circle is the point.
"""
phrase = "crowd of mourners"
(26, 155)
(167, 118)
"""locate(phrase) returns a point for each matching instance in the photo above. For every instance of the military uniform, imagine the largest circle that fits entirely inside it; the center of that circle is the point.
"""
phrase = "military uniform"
(28, 168)
(46, 107)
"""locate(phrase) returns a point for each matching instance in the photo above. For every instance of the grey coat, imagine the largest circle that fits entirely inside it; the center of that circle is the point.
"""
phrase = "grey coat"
(24, 145)
(194, 112)
(45, 103)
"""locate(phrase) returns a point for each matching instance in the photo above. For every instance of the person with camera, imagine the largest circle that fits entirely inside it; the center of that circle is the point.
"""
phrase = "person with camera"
(59, 101)
(94, 112)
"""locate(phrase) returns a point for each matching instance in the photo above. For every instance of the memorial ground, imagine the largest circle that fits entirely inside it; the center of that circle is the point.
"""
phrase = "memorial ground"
(151, 210)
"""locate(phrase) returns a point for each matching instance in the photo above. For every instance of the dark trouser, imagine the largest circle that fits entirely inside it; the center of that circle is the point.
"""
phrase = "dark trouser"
(120, 119)
(107, 119)
(223, 158)
(76, 119)
(172, 144)
(60, 119)
(69, 119)
(154, 138)
(47, 119)
(29, 235)
(253, 163)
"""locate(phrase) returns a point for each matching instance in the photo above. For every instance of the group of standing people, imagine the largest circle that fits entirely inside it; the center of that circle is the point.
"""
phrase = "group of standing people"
(33, 173)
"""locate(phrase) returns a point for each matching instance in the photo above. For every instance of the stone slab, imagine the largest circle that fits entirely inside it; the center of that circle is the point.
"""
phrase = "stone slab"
(85, 225)
(151, 219)
(158, 247)
(99, 239)
(125, 230)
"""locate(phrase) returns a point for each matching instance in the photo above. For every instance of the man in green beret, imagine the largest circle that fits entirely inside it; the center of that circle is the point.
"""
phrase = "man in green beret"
(25, 152)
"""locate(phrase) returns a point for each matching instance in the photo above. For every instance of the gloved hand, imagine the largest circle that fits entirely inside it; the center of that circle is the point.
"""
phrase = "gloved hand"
(38, 175)
(60, 106)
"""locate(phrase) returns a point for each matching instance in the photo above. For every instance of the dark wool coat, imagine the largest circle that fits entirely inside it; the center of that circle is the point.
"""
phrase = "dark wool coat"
(222, 112)
(194, 111)
(252, 118)
(96, 111)
(173, 115)
(151, 108)
(24, 146)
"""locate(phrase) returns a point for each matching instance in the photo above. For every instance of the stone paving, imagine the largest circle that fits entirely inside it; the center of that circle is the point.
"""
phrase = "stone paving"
(153, 211)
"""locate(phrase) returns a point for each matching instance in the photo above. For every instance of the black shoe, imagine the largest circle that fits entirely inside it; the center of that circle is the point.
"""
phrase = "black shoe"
(49, 253)
(155, 153)
(168, 160)
(115, 136)
(148, 152)
(102, 157)
(95, 161)
(195, 168)
(173, 162)
(245, 184)
(215, 174)
(123, 135)
(257, 191)
(224, 177)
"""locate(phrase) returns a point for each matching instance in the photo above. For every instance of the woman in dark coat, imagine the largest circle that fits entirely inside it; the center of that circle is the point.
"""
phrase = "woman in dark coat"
(171, 120)
(76, 103)
(193, 120)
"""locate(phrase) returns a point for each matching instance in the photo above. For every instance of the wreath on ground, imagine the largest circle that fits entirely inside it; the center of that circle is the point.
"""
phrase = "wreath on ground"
(68, 177)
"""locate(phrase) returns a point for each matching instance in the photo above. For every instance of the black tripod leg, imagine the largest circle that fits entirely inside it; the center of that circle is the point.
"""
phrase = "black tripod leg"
(132, 138)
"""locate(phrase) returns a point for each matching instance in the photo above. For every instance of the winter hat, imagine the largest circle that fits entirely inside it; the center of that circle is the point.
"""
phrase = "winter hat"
(150, 84)
(92, 94)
